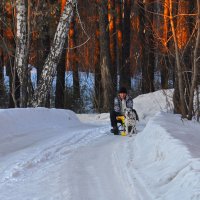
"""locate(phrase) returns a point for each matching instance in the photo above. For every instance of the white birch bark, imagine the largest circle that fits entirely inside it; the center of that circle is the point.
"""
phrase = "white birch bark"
(49, 69)
(21, 54)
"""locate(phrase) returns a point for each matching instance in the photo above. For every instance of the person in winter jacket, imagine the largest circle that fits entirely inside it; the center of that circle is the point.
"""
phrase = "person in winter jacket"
(121, 102)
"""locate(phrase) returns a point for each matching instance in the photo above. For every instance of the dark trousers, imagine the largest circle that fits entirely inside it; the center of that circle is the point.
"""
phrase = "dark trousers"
(113, 119)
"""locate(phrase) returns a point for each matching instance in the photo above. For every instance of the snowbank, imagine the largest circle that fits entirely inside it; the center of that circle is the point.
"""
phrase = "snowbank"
(147, 105)
(18, 126)
(30, 137)
(166, 157)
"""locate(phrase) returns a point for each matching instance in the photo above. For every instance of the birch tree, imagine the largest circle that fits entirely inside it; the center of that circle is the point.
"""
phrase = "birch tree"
(21, 57)
(49, 69)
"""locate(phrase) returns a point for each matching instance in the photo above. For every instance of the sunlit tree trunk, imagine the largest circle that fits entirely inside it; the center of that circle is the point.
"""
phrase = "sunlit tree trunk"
(49, 69)
(118, 21)
(125, 78)
(21, 55)
(112, 34)
(105, 62)
(165, 44)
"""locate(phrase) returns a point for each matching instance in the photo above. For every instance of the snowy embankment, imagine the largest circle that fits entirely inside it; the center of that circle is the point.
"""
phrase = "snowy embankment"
(50, 154)
(166, 158)
(29, 137)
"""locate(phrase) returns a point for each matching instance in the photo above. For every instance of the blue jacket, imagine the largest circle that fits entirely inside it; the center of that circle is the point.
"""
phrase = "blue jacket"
(118, 103)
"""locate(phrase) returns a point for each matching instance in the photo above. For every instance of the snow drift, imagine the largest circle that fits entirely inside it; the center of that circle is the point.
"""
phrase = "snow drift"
(166, 157)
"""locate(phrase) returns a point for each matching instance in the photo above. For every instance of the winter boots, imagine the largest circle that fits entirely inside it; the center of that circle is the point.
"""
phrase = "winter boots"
(115, 130)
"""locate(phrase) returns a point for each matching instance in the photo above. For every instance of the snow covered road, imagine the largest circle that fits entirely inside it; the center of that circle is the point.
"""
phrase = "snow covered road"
(95, 173)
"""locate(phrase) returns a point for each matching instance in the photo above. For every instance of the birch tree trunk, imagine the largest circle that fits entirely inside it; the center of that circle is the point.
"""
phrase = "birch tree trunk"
(21, 57)
(60, 80)
(195, 66)
(49, 69)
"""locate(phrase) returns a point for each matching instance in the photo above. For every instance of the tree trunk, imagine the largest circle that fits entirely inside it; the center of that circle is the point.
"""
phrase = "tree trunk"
(149, 48)
(49, 69)
(142, 43)
(61, 69)
(198, 104)
(73, 57)
(195, 70)
(9, 44)
(185, 46)
(43, 43)
(21, 55)
(14, 83)
(105, 57)
(119, 34)
(97, 84)
(112, 34)
(2, 87)
(60, 81)
(178, 65)
(165, 45)
(125, 75)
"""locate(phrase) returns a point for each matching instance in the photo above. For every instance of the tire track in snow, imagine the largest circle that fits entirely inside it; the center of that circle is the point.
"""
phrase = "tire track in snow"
(48, 151)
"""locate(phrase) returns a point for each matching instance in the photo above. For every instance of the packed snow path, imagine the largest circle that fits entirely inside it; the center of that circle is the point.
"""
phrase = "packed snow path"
(94, 171)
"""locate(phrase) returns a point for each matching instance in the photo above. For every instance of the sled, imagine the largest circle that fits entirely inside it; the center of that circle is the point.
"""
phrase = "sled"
(121, 125)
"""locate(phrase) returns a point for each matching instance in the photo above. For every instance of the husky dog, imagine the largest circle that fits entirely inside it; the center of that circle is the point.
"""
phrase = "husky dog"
(130, 121)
